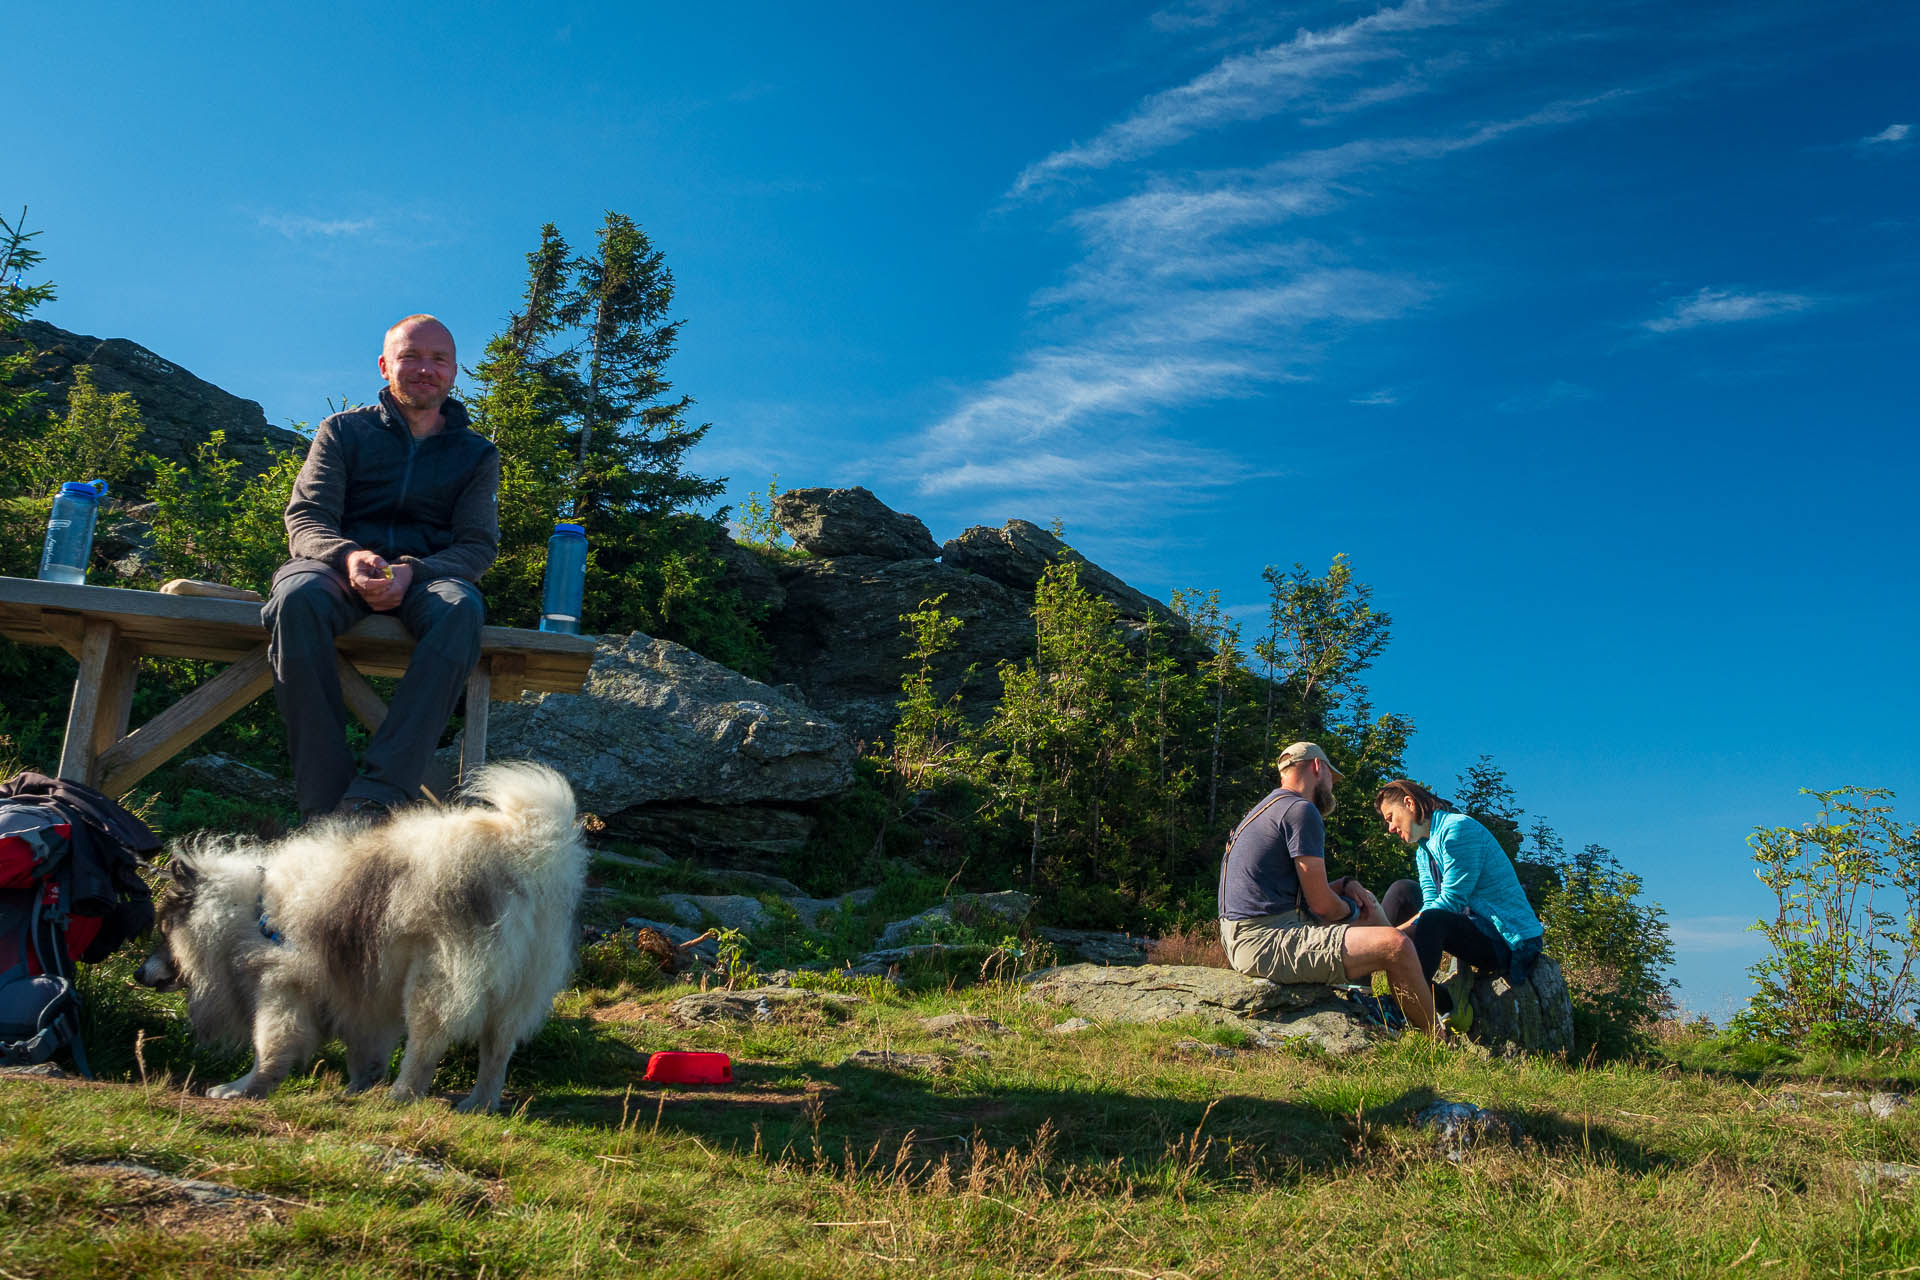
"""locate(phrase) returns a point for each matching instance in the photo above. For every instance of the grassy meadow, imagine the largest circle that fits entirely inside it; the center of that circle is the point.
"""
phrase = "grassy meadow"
(1111, 1152)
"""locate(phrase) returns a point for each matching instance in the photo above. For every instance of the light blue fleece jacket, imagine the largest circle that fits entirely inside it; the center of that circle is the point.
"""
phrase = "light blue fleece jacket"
(1463, 868)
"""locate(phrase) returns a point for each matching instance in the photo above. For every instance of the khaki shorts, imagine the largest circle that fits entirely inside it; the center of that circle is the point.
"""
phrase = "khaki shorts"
(1289, 947)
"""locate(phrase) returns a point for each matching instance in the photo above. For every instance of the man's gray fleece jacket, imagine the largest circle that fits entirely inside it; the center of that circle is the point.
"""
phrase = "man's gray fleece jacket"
(368, 484)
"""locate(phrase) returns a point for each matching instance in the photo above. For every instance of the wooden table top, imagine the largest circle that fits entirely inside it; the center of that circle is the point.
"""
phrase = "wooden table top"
(164, 626)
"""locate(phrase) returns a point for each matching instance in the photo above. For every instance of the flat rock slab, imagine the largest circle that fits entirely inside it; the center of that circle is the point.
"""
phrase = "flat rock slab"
(948, 1024)
(761, 1004)
(1098, 946)
(732, 910)
(1271, 1012)
(811, 909)
(1157, 992)
(980, 911)
(1871, 1172)
(1334, 1028)
(192, 1188)
(894, 1060)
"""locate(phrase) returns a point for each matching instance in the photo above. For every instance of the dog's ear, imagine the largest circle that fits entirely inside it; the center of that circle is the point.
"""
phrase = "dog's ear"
(183, 872)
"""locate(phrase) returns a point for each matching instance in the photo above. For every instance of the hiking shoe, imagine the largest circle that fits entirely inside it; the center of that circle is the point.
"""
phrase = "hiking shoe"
(362, 808)
(1459, 989)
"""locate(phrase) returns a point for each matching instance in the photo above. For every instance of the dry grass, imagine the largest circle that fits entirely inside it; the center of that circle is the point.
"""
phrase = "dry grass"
(1198, 944)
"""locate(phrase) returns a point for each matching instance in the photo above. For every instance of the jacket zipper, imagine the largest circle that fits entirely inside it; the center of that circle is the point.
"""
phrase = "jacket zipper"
(406, 481)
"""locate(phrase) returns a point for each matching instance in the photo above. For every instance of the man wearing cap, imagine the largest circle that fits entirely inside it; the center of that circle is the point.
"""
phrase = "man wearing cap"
(396, 511)
(1279, 917)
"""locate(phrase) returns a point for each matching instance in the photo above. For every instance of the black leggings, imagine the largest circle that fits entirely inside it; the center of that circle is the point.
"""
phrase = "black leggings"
(1440, 930)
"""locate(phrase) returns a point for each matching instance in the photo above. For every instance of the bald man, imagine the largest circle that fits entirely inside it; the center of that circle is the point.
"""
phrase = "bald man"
(396, 511)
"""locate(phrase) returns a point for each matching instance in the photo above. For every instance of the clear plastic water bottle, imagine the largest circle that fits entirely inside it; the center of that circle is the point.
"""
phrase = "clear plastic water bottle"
(566, 578)
(70, 531)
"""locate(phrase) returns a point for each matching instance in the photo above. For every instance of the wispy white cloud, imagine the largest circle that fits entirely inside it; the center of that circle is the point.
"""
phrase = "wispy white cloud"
(1192, 15)
(1694, 934)
(296, 225)
(1891, 134)
(1194, 288)
(1247, 86)
(1330, 163)
(1554, 394)
(1724, 306)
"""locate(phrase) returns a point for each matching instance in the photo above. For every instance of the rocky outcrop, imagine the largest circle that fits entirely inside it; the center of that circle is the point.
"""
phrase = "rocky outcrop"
(659, 725)
(762, 1004)
(1018, 553)
(750, 576)
(851, 522)
(179, 410)
(838, 636)
(833, 622)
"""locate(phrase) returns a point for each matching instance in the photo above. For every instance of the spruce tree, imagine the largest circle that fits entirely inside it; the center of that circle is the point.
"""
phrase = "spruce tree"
(574, 393)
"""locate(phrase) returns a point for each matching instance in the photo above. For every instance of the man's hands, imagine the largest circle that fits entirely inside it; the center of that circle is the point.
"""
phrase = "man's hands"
(380, 584)
(1371, 912)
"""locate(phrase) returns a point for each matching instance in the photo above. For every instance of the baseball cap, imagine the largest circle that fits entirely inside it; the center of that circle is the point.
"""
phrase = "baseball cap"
(1301, 752)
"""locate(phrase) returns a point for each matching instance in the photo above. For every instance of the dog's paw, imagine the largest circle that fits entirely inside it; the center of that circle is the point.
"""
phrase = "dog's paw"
(241, 1088)
(472, 1104)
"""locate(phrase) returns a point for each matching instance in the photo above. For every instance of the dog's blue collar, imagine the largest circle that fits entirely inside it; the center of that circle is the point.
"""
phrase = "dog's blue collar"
(267, 930)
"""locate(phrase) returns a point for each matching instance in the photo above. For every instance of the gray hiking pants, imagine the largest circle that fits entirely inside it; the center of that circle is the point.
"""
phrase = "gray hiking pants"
(310, 605)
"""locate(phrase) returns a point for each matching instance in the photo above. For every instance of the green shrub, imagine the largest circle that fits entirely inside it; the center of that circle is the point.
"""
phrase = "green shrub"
(1846, 932)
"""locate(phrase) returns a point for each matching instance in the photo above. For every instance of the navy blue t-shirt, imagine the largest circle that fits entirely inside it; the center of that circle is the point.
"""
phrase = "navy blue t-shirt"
(1257, 876)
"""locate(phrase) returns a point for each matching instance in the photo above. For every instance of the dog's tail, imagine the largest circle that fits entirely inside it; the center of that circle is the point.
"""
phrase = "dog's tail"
(534, 800)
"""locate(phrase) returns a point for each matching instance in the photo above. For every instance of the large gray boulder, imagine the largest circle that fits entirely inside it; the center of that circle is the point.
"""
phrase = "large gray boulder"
(179, 409)
(851, 522)
(659, 723)
(1270, 1012)
(838, 636)
(1018, 553)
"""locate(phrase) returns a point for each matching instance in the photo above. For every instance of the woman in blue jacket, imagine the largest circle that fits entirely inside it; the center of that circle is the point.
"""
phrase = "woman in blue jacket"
(1470, 903)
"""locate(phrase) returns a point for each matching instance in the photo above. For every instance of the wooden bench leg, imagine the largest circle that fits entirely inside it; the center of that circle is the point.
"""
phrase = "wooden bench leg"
(362, 701)
(102, 697)
(182, 724)
(116, 698)
(473, 745)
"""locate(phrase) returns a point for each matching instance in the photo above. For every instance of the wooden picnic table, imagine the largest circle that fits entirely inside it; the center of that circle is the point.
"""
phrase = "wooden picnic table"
(109, 629)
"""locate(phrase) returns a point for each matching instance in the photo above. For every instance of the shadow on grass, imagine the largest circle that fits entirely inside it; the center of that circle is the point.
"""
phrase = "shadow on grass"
(856, 1117)
(846, 1118)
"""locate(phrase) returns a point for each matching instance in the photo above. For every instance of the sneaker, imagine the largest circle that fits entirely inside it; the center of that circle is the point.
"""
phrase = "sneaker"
(361, 808)
(1459, 989)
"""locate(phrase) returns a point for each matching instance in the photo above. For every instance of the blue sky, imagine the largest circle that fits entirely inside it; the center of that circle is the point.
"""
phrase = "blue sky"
(1587, 331)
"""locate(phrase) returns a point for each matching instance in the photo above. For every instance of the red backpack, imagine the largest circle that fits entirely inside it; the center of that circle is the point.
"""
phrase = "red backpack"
(69, 891)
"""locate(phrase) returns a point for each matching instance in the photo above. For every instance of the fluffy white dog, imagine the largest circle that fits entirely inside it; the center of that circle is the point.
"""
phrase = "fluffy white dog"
(438, 924)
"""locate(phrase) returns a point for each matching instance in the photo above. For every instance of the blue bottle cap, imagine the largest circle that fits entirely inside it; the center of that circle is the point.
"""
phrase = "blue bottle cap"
(576, 530)
(91, 491)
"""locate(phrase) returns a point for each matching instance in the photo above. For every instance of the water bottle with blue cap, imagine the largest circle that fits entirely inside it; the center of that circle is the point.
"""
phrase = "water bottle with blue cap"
(566, 579)
(70, 531)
